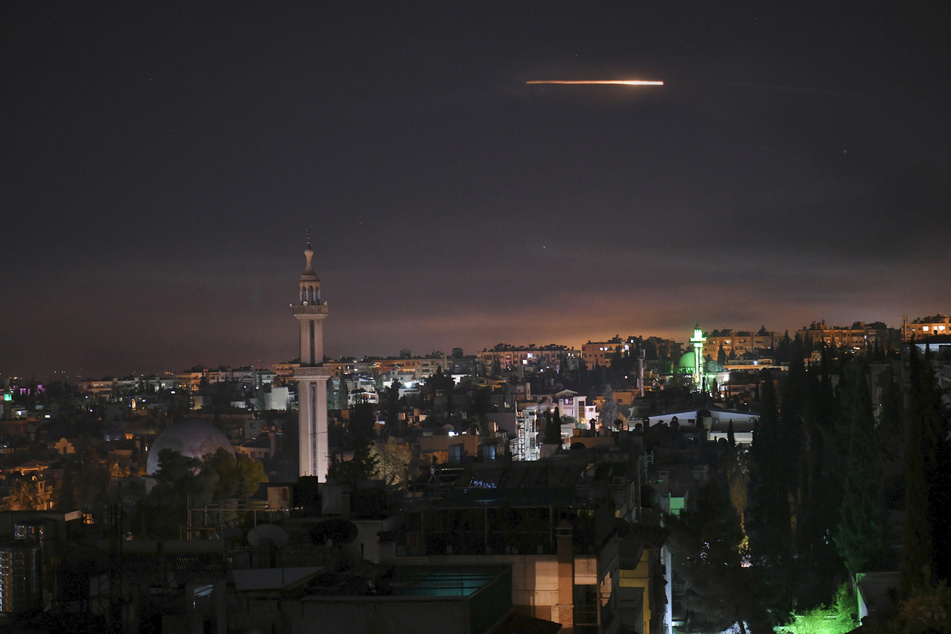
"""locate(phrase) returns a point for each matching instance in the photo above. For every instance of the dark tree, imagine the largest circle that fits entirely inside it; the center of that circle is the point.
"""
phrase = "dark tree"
(391, 406)
(798, 459)
(609, 409)
(770, 531)
(823, 448)
(342, 398)
(552, 428)
(66, 493)
(925, 556)
(782, 350)
(238, 476)
(359, 439)
(180, 484)
(480, 402)
(860, 536)
(706, 545)
(891, 442)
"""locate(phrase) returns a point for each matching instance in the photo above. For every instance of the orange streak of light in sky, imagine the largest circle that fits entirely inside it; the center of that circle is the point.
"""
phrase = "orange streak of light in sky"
(615, 82)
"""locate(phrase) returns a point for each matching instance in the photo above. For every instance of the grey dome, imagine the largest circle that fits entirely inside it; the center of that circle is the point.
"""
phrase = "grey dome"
(192, 437)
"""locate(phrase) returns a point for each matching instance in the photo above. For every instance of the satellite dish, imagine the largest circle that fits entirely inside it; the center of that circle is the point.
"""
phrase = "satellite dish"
(268, 535)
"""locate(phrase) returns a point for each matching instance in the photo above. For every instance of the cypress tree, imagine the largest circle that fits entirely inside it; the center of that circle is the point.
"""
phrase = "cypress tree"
(770, 520)
(891, 436)
(817, 488)
(66, 498)
(824, 451)
(343, 395)
(609, 409)
(860, 536)
(552, 428)
(916, 543)
(925, 559)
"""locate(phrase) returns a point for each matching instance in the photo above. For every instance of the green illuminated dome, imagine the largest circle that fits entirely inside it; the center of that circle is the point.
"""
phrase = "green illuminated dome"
(686, 363)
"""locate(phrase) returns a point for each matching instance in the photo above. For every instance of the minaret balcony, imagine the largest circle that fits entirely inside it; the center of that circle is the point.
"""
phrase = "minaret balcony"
(313, 372)
(306, 310)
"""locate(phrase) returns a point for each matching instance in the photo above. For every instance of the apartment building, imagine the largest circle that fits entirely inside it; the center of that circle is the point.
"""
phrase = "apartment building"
(737, 343)
(859, 336)
(508, 357)
(601, 352)
(925, 327)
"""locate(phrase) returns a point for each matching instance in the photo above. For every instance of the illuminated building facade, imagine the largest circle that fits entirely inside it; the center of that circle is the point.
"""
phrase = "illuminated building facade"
(601, 352)
(413, 367)
(926, 327)
(737, 343)
(525, 446)
(311, 376)
(860, 336)
(576, 406)
(510, 357)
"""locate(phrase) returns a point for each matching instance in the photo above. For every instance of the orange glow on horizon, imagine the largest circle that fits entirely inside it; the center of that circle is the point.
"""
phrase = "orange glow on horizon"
(603, 82)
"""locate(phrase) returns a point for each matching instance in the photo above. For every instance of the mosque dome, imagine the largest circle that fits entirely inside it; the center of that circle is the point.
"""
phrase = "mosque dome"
(191, 437)
(686, 363)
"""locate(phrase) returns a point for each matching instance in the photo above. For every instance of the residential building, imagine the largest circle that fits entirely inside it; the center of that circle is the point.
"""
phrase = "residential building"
(576, 405)
(507, 357)
(737, 343)
(409, 369)
(552, 520)
(601, 352)
(921, 327)
(860, 336)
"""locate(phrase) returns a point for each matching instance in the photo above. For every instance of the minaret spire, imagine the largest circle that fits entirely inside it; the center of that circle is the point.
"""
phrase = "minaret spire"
(309, 282)
(309, 254)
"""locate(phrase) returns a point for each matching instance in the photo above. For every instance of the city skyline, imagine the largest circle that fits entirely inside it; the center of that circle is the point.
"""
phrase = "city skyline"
(574, 347)
(164, 163)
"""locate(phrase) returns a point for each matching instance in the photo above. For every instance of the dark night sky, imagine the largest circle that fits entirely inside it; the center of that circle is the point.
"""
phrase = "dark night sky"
(161, 163)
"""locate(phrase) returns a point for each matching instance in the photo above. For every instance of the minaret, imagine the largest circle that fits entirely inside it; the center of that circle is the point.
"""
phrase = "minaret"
(697, 341)
(641, 358)
(312, 376)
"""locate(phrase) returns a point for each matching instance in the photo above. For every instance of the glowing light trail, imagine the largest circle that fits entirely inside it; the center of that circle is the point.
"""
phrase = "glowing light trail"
(603, 82)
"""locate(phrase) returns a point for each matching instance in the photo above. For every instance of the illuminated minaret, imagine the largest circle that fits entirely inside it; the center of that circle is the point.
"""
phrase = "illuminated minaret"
(697, 341)
(312, 376)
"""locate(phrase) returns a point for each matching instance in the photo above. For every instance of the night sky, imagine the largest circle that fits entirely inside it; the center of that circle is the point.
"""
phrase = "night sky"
(160, 164)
